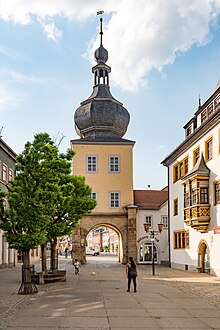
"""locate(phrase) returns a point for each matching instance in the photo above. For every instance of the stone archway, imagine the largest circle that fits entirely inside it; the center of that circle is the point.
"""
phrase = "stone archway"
(203, 257)
(123, 224)
(120, 241)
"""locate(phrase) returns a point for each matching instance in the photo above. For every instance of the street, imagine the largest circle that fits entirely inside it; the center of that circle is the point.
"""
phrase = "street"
(97, 299)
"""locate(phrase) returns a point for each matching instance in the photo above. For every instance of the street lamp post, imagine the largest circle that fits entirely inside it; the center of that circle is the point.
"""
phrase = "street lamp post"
(152, 234)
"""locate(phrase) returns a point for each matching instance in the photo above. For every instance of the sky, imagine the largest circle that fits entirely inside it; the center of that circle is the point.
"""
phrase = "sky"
(163, 56)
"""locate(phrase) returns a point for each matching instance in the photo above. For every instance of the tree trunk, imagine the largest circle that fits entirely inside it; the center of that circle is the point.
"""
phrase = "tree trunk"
(53, 255)
(27, 285)
(43, 258)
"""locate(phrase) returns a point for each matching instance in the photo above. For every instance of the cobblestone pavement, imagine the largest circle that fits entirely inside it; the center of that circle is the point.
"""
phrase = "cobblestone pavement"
(173, 286)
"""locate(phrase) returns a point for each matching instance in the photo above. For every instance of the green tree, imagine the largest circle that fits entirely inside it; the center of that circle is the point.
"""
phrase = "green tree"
(70, 198)
(39, 199)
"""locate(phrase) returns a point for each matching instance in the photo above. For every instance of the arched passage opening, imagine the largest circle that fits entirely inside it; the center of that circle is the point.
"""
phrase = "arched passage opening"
(203, 257)
(123, 224)
(104, 238)
(145, 252)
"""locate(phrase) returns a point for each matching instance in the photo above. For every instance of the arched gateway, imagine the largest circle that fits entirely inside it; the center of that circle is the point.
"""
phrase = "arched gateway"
(105, 159)
(123, 225)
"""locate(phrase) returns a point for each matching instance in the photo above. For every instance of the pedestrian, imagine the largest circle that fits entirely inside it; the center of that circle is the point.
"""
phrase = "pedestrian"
(131, 272)
(76, 265)
(66, 252)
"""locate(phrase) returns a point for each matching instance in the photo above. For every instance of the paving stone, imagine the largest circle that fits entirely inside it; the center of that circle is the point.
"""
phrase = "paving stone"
(133, 322)
(173, 299)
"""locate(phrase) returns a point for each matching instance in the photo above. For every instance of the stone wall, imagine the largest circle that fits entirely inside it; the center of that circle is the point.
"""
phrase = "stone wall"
(123, 224)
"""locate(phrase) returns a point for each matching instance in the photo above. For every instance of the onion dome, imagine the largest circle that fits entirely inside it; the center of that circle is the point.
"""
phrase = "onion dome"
(101, 115)
(101, 55)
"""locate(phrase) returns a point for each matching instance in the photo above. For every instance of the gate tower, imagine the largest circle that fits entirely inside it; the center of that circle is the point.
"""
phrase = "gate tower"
(105, 159)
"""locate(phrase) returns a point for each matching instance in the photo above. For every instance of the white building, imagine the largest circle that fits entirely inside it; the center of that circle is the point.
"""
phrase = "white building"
(152, 208)
(194, 191)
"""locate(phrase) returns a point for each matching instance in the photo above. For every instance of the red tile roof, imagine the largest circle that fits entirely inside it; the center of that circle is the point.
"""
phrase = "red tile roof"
(150, 199)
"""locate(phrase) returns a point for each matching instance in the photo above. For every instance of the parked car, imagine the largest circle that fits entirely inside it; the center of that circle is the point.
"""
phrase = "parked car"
(92, 252)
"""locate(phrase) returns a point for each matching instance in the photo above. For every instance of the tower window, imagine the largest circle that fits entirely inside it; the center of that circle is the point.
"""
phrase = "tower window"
(92, 163)
(114, 163)
(94, 196)
(114, 199)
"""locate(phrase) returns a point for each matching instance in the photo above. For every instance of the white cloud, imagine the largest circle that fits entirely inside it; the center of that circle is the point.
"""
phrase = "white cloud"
(145, 35)
(51, 31)
(140, 35)
(9, 98)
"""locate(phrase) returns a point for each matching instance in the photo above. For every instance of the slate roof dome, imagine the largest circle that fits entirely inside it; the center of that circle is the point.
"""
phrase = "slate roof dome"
(101, 115)
(101, 55)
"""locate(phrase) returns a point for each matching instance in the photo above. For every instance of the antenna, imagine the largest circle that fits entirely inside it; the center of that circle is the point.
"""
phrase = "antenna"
(199, 101)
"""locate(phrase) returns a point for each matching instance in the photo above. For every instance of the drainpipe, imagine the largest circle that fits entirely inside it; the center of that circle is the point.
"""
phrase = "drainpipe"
(169, 232)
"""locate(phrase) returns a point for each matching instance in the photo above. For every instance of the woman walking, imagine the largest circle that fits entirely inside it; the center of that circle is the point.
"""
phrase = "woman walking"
(131, 272)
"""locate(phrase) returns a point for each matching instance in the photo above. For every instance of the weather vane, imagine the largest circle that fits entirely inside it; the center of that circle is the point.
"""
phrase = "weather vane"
(101, 19)
(100, 12)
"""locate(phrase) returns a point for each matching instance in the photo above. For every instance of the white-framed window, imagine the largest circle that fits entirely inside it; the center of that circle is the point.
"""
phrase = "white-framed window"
(91, 163)
(114, 199)
(10, 174)
(164, 221)
(4, 172)
(149, 220)
(114, 163)
(94, 196)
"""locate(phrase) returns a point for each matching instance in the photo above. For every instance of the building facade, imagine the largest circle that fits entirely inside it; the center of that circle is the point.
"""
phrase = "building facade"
(7, 170)
(105, 159)
(194, 191)
(153, 210)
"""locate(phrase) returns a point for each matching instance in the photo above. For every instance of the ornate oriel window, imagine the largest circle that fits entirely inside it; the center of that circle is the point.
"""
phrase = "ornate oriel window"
(196, 197)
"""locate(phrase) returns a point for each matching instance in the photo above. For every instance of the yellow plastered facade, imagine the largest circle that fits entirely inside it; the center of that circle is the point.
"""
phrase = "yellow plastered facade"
(102, 181)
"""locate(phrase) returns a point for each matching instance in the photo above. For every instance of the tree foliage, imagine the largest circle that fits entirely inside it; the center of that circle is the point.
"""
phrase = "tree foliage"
(44, 201)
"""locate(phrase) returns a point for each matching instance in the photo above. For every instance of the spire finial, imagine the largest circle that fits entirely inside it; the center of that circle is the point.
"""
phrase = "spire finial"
(199, 101)
(101, 20)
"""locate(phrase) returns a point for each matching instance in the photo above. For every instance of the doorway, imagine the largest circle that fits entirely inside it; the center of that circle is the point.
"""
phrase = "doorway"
(145, 253)
(203, 258)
